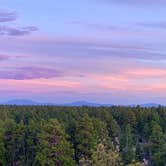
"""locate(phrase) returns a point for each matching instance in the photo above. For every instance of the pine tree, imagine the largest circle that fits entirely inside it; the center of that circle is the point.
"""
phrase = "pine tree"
(14, 140)
(53, 148)
(158, 146)
(128, 150)
(136, 164)
(105, 157)
(101, 132)
(31, 140)
(84, 138)
(2, 146)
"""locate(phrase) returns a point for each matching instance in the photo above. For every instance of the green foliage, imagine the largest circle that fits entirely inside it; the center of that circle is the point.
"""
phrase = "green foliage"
(105, 157)
(84, 136)
(158, 145)
(31, 141)
(14, 142)
(53, 148)
(2, 146)
(136, 164)
(127, 142)
(101, 132)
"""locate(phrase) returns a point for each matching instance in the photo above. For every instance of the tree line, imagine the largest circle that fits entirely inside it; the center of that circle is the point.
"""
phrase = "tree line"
(83, 136)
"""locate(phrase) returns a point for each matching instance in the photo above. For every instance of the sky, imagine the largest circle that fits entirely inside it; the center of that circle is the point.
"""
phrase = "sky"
(106, 51)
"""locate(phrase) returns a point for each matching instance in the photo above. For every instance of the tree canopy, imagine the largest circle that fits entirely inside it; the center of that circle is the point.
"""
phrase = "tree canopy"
(83, 136)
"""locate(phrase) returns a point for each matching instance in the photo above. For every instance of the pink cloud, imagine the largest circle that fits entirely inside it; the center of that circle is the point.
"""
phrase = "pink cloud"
(132, 80)
(37, 85)
(125, 74)
(146, 73)
(132, 87)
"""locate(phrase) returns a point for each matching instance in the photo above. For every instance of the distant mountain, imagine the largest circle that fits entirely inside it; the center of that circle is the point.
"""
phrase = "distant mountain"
(146, 105)
(21, 102)
(83, 103)
(150, 105)
(76, 104)
(31, 102)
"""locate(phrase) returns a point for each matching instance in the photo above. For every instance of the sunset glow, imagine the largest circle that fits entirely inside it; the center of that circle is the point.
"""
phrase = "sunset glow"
(100, 51)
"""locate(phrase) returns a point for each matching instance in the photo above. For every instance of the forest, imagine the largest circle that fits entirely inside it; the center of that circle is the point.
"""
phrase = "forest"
(82, 136)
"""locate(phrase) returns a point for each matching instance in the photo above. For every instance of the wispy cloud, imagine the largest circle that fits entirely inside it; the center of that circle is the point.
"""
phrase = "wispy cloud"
(7, 16)
(3, 57)
(52, 48)
(94, 48)
(13, 31)
(31, 72)
(37, 85)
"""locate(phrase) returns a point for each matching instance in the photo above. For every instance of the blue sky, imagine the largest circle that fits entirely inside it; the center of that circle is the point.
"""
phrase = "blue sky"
(109, 51)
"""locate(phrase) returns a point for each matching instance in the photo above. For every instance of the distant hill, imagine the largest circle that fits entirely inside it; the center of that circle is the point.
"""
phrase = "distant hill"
(21, 102)
(85, 103)
(77, 103)
(145, 105)
(150, 105)
(25, 102)
(31, 102)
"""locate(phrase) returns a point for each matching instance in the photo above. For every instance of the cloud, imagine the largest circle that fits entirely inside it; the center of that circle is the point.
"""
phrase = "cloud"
(87, 49)
(12, 31)
(146, 73)
(7, 16)
(30, 28)
(3, 57)
(7, 30)
(84, 49)
(31, 72)
(133, 80)
(38, 86)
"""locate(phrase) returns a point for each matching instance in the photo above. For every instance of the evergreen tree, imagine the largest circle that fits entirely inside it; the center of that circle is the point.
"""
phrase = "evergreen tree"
(27, 140)
(19, 141)
(31, 141)
(158, 146)
(136, 164)
(2, 146)
(53, 147)
(85, 138)
(128, 150)
(105, 157)
(101, 133)
(9, 142)
(14, 141)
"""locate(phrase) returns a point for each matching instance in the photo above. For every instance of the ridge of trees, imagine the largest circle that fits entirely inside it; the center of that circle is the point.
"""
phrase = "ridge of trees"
(83, 136)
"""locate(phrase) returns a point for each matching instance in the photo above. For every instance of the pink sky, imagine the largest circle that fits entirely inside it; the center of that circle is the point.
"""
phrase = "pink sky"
(115, 54)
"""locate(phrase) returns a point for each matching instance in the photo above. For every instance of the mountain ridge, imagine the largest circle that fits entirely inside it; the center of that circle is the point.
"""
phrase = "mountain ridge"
(76, 103)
